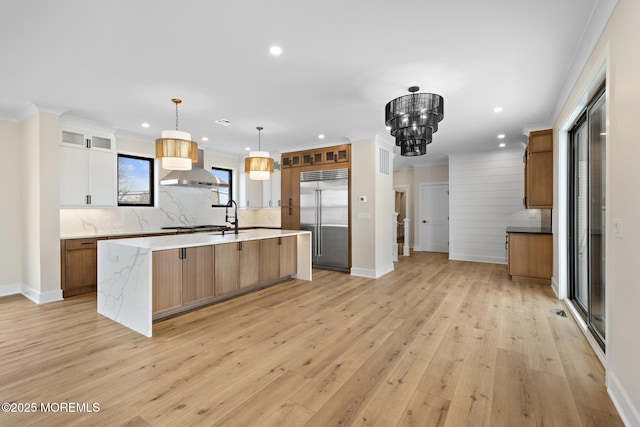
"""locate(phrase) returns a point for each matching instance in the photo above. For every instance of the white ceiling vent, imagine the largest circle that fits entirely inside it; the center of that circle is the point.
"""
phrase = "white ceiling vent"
(383, 161)
(223, 122)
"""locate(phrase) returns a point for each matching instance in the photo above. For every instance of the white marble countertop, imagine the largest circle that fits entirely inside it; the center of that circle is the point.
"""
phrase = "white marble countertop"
(174, 241)
(93, 234)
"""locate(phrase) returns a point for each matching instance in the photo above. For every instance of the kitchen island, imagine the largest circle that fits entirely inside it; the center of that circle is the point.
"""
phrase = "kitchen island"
(147, 278)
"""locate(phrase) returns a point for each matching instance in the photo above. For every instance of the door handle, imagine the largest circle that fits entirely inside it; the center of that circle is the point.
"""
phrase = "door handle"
(424, 222)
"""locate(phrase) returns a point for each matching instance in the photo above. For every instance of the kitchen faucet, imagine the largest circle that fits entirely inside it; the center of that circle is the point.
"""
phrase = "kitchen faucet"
(235, 215)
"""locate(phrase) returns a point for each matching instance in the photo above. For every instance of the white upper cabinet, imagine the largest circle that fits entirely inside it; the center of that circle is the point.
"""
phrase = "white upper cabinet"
(271, 191)
(88, 169)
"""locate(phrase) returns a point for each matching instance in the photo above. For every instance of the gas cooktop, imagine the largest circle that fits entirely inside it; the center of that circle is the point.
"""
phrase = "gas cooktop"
(198, 228)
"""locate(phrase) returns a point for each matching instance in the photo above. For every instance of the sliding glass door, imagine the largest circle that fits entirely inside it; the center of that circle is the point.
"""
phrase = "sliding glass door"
(587, 216)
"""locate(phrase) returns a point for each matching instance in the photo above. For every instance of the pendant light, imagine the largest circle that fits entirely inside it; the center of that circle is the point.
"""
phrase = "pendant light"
(175, 148)
(413, 119)
(258, 165)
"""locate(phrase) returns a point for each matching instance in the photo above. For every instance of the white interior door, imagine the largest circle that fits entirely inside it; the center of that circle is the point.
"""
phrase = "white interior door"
(434, 217)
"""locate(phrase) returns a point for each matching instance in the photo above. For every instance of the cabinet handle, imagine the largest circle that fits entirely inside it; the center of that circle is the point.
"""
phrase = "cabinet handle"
(290, 211)
(280, 240)
(86, 243)
(88, 199)
(88, 143)
(290, 202)
(239, 246)
(183, 253)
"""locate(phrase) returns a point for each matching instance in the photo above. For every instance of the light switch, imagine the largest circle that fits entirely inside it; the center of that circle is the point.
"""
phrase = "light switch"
(617, 227)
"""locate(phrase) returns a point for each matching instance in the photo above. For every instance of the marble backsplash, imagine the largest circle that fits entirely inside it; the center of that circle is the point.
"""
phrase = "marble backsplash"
(177, 206)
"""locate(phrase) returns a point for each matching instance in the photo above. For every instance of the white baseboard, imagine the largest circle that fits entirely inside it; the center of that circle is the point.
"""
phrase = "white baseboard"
(42, 297)
(370, 272)
(555, 287)
(624, 404)
(478, 258)
(9, 289)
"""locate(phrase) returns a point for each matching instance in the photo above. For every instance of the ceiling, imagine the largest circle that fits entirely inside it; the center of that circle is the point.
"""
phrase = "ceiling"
(119, 63)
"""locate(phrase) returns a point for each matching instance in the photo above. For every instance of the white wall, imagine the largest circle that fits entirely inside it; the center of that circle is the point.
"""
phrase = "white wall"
(371, 221)
(40, 199)
(11, 211)
(616, 53)
(486, 191)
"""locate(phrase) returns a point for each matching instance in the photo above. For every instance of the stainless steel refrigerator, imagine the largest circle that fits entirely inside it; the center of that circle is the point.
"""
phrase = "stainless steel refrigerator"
(324, 210)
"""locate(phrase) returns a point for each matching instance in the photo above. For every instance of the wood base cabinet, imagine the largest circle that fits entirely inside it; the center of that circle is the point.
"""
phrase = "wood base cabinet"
(79, 266)
(278, 258)
(530, 256)
(182, 277)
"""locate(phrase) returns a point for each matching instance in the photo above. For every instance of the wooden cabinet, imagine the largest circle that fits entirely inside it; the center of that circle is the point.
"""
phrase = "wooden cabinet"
(337, 154)
(290, 211)
(530, 256)
(291, 160)
(78, 266)
(249, 270)
(269, 260)
(288, 255)
(237, 266)
(278, 258)
(327, 155)
(88, 171)
(538, 170)
(182, 277)
(167, 279)
(198, 266)
(227, 267)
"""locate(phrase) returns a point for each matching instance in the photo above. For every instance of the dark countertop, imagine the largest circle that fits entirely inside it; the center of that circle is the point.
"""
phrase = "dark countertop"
(530, 230)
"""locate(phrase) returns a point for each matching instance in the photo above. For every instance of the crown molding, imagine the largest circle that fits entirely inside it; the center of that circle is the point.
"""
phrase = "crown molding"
(324, 143)
(532, 128)
(31, 108)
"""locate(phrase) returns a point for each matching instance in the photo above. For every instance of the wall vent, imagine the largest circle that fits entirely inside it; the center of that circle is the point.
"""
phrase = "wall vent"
(383, 161)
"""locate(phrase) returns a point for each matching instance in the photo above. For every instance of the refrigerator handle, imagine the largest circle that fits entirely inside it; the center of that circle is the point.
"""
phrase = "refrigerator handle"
(319, 222)
(315, 224)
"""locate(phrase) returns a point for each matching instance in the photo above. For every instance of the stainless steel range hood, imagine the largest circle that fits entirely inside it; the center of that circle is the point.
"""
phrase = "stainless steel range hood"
(198, 176)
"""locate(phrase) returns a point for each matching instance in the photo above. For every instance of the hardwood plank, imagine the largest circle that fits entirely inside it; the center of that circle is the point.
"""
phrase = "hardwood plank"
(424, 410)
(434, 342)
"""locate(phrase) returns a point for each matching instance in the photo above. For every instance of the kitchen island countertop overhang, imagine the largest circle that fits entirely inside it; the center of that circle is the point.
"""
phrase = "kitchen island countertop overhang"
(125, 285)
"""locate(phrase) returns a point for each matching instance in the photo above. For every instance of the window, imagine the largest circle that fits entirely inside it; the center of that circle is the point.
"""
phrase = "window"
(135, 181)
(221, 196)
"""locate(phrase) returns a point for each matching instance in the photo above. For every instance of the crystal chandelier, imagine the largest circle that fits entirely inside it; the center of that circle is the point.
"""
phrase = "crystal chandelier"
(413, 119)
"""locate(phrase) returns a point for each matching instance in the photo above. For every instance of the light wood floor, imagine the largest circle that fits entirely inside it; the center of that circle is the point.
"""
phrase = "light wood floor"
(436, 342)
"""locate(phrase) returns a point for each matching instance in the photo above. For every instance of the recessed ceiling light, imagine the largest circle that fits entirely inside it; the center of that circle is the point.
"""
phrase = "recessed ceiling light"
(204, 138)
(275, 50)
(145, 125)
(497, 110)
(321, 136)
(247, 148)
(501, 136)
(502, 145)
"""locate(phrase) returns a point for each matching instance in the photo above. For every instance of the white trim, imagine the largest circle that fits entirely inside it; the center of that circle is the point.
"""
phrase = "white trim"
(585, 330)
(602, 11)
(9, 289)
(623, 403)
(372, 273)
(555, 288)
(42, 297)
(483, 259)
(30, 108)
